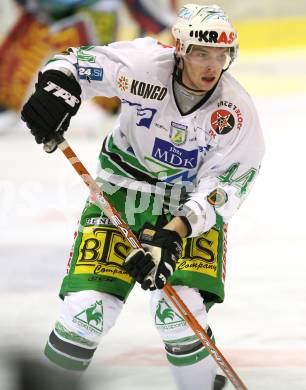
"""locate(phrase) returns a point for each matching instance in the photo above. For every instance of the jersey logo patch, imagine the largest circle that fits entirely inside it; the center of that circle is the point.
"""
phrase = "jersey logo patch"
(148, 91)
(177, 157)
(237, 112)
(140, 88)
(123, 83)
(86, 57)
(145, 115)
(178, 133)
(89, 73)
(222, 121)
(217, 197)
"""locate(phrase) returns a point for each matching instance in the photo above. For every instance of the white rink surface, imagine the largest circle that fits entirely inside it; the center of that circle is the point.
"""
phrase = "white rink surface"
(261, 326)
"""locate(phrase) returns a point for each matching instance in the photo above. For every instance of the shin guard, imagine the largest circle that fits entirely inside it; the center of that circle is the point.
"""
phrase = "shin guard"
(85, 317)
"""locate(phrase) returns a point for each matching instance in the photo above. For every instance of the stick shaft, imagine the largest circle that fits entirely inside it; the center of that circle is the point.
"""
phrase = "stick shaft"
(204, 338)
(116, 219)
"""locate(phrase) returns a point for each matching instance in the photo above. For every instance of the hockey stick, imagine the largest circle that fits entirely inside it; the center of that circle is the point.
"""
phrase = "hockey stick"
(116, 219)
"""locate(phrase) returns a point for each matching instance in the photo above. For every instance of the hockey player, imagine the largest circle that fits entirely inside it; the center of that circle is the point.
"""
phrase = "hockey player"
(182, 158)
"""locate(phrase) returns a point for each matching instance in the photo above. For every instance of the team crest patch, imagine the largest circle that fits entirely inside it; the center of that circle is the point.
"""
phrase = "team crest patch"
(178, 133)
(222, 121)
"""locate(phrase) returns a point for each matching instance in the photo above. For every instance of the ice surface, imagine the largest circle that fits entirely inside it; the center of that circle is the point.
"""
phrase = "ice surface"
(261, 325)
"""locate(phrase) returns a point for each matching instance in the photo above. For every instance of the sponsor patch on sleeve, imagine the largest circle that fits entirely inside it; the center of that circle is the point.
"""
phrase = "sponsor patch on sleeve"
(90, 73)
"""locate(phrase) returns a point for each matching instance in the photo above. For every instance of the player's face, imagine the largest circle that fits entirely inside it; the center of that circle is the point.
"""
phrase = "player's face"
(203, 66)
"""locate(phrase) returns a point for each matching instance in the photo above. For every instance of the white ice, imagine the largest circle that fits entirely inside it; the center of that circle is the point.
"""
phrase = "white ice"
(260, 327)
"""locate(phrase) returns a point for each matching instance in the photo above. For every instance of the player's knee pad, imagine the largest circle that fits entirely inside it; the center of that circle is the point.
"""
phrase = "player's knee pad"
(85, 317)
(181, 344)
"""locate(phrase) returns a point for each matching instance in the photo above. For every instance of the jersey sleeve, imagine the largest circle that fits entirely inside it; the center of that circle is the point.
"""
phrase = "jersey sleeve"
(97, 68)
(223, 186)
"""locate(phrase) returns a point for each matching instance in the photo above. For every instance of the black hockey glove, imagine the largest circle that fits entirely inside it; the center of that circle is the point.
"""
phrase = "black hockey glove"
(152, 267)
(49, 110)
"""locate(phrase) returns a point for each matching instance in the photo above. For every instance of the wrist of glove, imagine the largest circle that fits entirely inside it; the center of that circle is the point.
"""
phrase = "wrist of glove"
(49, 110)
(152, 266)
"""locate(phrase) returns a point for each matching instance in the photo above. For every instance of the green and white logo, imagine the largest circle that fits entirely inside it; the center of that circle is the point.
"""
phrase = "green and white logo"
(178, 133)
(91, 318)
(83, 56)
(166, 317)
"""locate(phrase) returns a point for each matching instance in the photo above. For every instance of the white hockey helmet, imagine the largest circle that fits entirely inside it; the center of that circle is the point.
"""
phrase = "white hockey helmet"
(204, 26)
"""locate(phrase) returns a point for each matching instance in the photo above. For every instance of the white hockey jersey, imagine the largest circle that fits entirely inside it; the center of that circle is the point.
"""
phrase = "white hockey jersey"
(214, 151)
